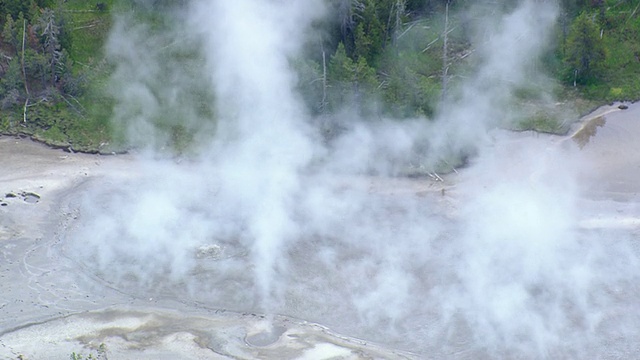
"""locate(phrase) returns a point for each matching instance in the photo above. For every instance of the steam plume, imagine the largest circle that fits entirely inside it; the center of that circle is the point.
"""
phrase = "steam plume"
(268, 217)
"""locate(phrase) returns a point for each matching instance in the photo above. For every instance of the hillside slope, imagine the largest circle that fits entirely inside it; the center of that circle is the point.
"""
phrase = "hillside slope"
(385, 58)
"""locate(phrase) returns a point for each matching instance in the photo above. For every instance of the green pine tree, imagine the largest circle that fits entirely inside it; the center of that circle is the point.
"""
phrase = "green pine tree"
(585, 50)
(10, 33)
(350, 81)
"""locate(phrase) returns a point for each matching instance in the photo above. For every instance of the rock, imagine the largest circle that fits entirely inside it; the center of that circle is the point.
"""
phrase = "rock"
(30, 197)
(211, 251)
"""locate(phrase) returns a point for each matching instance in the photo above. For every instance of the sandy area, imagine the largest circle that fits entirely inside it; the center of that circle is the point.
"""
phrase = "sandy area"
(49, 308)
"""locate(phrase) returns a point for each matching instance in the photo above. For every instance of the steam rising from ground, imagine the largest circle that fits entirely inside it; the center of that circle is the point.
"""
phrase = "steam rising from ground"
(268, 217)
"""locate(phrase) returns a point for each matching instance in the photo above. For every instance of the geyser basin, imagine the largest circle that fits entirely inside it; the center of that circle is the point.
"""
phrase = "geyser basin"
(51, 307)
(122, 333)
(509, 260)
(270, 224)
(428, 277)
(328, 272)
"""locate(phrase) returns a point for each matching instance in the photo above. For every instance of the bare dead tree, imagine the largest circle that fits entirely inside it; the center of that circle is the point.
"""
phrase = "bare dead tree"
(390, 33)
(348, 10)
(24, 72)
(397, 9)
(445, 52)
(401, 6)
(51, 46)
(323, 104)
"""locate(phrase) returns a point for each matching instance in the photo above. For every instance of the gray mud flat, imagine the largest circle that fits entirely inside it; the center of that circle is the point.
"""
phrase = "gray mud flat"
(50, 307)
(609, 140)
(156, 333)
(55, 300)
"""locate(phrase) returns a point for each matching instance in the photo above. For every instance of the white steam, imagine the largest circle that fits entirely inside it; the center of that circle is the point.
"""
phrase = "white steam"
(269, 218)
(508, 48)
(263, 141)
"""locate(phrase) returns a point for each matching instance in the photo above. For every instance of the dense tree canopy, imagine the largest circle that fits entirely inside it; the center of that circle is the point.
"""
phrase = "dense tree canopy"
(377, 57)
(34, 65)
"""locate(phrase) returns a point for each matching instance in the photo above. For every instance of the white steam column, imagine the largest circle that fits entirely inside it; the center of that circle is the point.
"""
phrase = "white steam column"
(262, 142)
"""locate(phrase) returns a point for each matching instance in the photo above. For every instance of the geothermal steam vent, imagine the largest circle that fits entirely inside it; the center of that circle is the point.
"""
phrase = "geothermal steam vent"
(285, 228)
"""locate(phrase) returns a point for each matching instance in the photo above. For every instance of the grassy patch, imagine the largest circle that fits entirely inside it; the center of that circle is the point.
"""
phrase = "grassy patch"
(61, 125)
(89, 27)
(543, 122)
